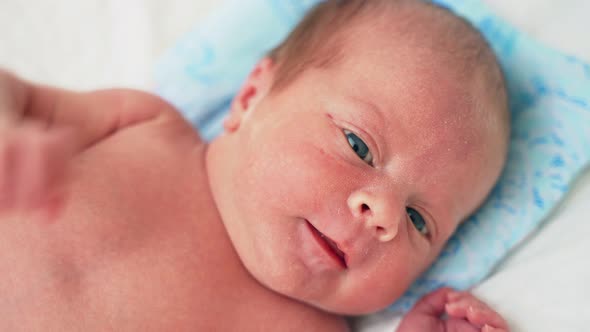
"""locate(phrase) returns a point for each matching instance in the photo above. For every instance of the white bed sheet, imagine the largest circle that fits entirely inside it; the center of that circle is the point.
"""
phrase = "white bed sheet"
(98, 43)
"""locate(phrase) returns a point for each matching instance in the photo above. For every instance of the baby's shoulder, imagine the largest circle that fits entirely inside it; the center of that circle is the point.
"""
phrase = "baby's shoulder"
(169, 119)
(131, 108)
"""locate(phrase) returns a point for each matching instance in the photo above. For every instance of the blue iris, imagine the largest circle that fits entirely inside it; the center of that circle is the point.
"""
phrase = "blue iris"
(359, 147)
(417, 221)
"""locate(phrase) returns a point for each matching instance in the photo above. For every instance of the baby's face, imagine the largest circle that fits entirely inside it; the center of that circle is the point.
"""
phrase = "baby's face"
(351, 179)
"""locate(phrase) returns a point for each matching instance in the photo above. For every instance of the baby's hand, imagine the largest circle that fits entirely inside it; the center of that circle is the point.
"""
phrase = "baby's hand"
(464, 312)
(33, 161)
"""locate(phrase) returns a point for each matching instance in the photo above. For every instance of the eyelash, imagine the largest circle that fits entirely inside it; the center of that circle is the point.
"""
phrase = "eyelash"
(349, 136)
(410, 211)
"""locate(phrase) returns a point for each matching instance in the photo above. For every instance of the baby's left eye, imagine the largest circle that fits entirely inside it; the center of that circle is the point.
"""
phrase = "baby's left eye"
(418, 221)
(359, 147)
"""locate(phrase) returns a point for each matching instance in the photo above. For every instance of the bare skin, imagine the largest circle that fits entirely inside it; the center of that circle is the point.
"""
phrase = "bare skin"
(465, 313)
(131, 241)
(107, 223)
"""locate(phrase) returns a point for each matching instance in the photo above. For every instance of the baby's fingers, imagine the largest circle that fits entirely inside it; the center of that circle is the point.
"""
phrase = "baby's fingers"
(7, 178)
(32, 168)
(476, 312)
(432, 304)
(41, 168)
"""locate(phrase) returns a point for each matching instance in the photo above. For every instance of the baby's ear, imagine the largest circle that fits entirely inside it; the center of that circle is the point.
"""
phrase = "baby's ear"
(254, 89)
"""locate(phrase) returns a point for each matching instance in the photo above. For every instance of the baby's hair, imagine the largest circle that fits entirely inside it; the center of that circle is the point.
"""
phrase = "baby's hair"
(318, 40)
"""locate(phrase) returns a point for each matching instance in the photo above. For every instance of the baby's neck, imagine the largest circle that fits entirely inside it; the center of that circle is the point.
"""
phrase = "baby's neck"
(218, 166)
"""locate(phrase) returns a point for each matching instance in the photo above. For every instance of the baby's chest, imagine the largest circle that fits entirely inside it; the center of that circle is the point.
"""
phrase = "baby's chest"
(121, 251)
(138, 247)
(134, 188)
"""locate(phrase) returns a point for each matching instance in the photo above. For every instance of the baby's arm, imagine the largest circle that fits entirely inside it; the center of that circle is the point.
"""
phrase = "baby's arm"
(42, 127)
(90, 116)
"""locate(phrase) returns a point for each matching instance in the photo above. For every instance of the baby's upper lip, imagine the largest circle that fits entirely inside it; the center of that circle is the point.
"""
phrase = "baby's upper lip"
(332, 244)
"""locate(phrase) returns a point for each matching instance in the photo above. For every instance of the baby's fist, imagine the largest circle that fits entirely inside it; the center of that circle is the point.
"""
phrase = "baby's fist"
(464, 313)
(33, 160)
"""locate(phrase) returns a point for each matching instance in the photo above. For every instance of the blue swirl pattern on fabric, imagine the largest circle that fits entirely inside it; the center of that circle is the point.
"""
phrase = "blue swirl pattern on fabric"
(549, 102)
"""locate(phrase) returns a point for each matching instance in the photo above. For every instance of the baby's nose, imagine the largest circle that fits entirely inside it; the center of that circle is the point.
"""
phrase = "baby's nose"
(377, 212)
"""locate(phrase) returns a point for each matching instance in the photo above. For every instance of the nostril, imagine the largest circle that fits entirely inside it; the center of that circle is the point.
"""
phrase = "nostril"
(365, 208)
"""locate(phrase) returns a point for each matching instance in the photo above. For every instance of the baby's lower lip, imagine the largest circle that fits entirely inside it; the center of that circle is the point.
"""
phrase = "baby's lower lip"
(334, 253)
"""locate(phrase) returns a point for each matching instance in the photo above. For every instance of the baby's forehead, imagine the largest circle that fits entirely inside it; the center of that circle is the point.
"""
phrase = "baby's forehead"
(420, 63)
(418, 30)
(437, 116)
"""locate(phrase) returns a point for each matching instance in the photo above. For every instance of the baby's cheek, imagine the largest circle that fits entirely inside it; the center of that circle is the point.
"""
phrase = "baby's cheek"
(306, 179)
(375, 287)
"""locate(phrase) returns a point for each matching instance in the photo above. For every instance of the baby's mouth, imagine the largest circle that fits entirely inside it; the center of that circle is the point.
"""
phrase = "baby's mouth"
(328, 245)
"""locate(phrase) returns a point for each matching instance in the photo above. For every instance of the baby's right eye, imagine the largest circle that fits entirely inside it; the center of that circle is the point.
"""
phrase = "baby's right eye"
(359, 147)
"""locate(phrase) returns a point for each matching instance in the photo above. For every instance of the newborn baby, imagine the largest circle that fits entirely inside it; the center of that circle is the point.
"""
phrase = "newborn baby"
(351, 154)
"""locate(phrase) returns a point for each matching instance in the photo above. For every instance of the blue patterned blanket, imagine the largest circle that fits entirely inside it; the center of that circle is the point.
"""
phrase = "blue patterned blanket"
(549, 101)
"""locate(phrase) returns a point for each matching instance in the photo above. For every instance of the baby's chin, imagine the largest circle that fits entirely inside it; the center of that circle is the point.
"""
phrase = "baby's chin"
(352, 305)
(284, 269)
